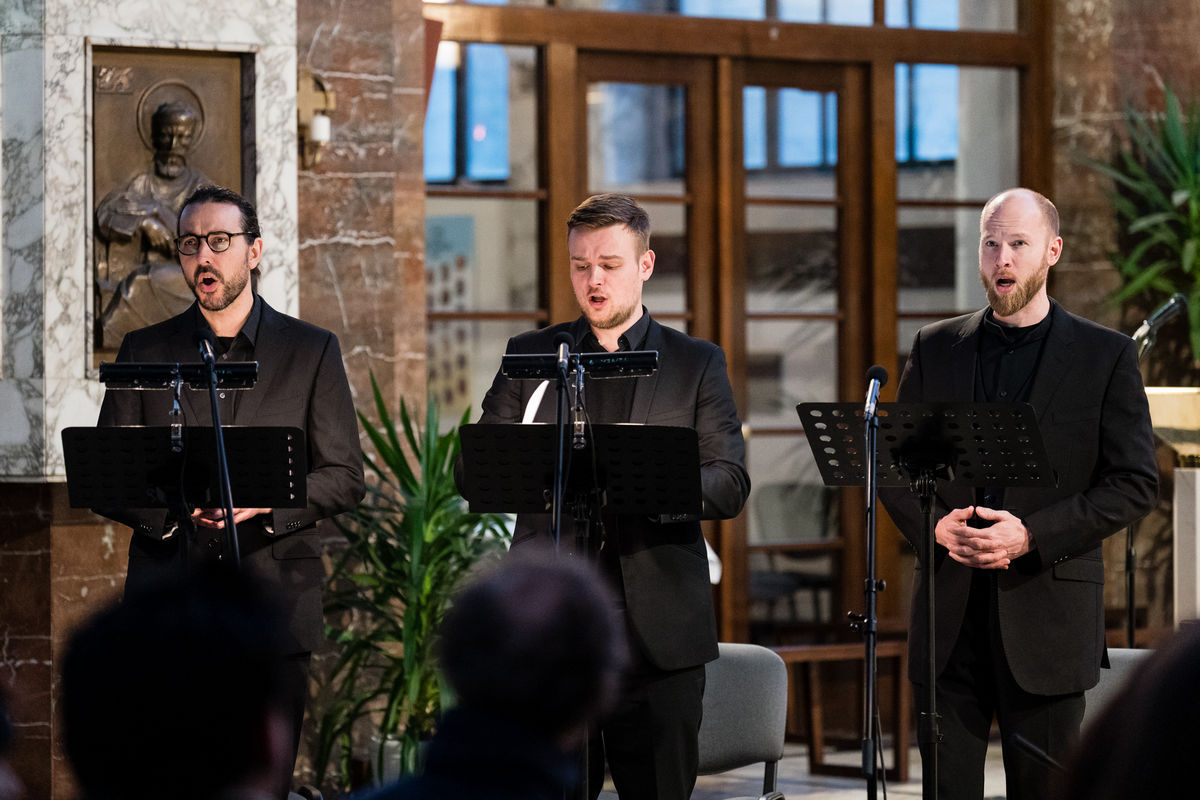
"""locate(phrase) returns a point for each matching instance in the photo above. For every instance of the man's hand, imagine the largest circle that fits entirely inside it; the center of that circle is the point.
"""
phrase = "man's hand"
(984, 548)
(215, 517)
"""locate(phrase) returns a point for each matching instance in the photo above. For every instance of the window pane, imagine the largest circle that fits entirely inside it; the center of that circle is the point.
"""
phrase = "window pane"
(788, 10)
(729, 9)
(904, 104)
(791, 259)
(850, 12)
(986, 15)
(788, 362)
(788, 501)
(938, 263)
(935, 90)
(439, 119)
(635, 138)
(790, 143)
(754, 127)
(666, 291)
(980, 15)
(494, 138)
(494, 2)
(936, 14)
(802, 10)
(831, 133)
(895, 14)
(805, 128)
(487, 113)
(956, 131)
(481, 254)
(463, 357)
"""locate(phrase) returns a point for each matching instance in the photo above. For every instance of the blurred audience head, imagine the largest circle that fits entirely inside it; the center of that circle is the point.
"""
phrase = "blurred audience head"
(179, 691)
(1143, 740)
(536, 641)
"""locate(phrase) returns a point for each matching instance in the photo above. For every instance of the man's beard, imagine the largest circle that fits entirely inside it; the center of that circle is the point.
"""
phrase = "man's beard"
(1005, 305)
(230, 291)
(614, 319)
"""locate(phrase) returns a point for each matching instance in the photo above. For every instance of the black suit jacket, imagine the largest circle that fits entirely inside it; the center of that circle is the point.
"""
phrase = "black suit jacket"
(664, 566)
(301, 383)
(1093, 415)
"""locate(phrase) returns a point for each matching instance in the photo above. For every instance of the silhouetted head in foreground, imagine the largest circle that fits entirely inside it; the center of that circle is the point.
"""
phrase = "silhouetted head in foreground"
(178, 691)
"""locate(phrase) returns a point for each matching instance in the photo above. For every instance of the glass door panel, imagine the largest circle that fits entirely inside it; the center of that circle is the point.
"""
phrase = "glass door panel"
(637, 146)
(636, 138)
(791, 259)
(481, 288)
(957, 142)
(793, 324)
(649, 134)
(790, 142)
(665, 294)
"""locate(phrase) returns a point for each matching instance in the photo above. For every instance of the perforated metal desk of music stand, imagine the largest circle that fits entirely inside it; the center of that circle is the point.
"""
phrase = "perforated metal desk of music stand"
(971, 444)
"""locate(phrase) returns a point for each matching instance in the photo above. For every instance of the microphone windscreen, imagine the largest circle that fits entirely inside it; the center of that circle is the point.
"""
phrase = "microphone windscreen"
(562, 337)
(878, 373)
(206, 341)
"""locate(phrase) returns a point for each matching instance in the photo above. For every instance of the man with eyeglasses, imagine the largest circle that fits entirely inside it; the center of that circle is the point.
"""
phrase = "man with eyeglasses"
(301, 383)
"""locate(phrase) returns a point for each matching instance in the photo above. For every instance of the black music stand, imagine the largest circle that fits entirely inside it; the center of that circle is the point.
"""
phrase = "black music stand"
(970, 444)
(639, 469)
(623, 468)
(139, 467)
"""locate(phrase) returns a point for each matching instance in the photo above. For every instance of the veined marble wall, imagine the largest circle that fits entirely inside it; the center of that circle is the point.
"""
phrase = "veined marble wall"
(46, 202)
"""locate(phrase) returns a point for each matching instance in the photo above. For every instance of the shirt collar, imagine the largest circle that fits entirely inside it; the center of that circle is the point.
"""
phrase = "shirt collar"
(1015, 336)
(632, 339)
(249, 327)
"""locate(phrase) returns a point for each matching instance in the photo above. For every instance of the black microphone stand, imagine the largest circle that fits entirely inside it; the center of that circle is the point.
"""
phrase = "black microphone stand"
(179, 509)
(558, 497)
(560, 450)
(868, 623)
(586, 504)
(222, 465)
(1144, 346)
(1145, 337)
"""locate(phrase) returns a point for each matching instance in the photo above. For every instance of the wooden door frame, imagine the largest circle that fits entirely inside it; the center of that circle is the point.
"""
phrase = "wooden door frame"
(868, 55)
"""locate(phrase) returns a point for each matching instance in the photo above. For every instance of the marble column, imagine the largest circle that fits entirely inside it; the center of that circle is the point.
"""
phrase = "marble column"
(57, 564)
(362, 209)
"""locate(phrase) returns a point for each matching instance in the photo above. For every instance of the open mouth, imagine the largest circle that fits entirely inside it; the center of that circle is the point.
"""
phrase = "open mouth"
(208, 281)
(1005, 283)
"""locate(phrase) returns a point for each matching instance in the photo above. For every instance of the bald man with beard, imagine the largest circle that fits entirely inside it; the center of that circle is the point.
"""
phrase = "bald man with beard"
(1018, 572)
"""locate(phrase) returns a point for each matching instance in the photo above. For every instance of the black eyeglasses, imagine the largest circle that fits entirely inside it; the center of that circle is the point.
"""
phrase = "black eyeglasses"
(218, 242)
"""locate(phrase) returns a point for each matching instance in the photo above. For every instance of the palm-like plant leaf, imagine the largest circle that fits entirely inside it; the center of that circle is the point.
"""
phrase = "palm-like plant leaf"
(1156, 196)
(408, 546)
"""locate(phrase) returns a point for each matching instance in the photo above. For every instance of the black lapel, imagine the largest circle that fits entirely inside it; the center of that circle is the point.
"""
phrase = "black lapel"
(270, 341)
(964, 355)
(182, 349)
(644, 388)
(1055, 362)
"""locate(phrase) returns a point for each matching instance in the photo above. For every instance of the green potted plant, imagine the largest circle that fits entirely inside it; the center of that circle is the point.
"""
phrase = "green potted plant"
(409, 545)
(1156, 196)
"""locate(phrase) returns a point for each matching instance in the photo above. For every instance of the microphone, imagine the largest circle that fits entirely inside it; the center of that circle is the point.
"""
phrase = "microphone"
(562, 344)
(205, 340)
(1175, 306)
(877, 378)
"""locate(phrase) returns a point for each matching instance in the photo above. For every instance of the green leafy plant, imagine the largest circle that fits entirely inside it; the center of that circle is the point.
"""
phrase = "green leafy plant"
(1157, 199)
(410, 543)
